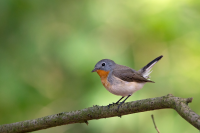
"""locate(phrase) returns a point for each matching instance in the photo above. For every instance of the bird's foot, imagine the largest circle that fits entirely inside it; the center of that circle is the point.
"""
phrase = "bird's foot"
(111, 104)
(120, 105)
(116, 103)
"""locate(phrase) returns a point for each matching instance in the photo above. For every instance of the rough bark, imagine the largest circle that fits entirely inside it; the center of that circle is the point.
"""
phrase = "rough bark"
(98, 112)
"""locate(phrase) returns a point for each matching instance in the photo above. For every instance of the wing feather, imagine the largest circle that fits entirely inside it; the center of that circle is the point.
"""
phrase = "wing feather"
(130, 75)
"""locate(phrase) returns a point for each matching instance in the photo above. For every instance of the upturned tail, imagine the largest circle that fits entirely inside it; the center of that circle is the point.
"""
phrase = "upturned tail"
(146, 70)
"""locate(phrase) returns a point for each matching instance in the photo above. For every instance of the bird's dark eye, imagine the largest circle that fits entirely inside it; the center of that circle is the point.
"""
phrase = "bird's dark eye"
(103, 64)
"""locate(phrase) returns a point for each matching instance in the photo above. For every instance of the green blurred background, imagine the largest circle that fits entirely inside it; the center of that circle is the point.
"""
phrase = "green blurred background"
(48, 49)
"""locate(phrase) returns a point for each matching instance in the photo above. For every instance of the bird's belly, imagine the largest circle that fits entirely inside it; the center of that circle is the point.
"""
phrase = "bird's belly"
(125, 88)
(121, 88)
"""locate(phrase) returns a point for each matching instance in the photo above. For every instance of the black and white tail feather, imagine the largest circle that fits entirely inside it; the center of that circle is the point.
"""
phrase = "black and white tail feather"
(146, 70)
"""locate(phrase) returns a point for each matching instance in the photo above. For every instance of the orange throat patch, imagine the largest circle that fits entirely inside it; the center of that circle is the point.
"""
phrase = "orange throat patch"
(103, 75)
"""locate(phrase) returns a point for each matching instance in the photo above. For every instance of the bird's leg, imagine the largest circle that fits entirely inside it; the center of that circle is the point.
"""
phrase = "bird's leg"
(123, 101)
(116, 102)
(119, 100)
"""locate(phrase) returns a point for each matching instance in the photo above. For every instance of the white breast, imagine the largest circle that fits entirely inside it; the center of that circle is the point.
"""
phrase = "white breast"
(123, 88)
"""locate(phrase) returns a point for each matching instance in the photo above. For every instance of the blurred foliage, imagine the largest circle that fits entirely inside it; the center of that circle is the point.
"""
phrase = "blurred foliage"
(48, 49)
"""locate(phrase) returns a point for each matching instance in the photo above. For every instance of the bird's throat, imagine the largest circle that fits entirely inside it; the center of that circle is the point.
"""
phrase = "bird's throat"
(103, 74)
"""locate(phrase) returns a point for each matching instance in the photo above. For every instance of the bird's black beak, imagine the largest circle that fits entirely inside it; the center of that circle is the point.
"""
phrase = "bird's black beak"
(95, 69)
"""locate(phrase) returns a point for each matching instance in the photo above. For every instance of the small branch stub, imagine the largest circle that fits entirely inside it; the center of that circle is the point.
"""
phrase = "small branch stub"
(155, 124)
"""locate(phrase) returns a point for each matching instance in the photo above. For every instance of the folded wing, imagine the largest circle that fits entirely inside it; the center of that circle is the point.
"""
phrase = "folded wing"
(130, 75)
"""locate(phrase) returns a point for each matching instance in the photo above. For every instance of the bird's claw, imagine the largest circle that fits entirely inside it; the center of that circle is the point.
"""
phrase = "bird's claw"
(111, 104)
(120, 105)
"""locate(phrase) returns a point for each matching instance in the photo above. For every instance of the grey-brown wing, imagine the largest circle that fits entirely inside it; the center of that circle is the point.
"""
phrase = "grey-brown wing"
(129, 76)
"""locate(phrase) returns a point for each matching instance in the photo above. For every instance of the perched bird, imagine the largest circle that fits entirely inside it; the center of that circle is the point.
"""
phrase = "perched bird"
(122, 80)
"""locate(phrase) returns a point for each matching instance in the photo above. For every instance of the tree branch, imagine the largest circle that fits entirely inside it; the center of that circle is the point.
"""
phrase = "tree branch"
(98, 112)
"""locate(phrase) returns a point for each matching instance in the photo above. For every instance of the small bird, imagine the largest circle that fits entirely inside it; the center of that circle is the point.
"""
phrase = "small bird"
(122, 80)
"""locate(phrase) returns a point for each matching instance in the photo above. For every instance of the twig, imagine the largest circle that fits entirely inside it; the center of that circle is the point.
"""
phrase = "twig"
(154, 123)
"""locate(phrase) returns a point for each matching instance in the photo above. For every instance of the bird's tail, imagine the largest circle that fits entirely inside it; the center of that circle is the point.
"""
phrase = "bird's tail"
(146, 70)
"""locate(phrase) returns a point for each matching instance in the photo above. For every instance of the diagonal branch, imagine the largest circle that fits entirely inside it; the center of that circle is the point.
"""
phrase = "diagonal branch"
(98, 112)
